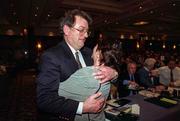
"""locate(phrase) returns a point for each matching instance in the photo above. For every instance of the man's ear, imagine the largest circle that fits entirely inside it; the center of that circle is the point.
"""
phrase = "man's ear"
(66, 29)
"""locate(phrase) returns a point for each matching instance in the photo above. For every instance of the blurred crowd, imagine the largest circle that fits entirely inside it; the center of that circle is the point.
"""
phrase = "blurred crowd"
(154, 71)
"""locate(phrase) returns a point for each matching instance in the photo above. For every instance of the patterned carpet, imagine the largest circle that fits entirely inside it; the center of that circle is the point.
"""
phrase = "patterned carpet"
(18, 103)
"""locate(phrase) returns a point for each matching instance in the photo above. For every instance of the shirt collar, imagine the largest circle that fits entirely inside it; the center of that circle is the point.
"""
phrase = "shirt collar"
(72, 49)
(146, 68)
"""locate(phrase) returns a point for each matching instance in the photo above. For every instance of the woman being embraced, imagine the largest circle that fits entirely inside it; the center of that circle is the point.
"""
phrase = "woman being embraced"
(81, 84)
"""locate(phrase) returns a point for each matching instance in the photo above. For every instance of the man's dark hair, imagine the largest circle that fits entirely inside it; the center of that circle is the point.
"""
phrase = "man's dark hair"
(69, 18)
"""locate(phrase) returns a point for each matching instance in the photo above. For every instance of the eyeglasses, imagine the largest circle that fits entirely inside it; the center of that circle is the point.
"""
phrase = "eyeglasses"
(82, 31)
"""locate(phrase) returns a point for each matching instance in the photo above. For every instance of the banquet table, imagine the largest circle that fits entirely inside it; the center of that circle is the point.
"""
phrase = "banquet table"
(153, 112)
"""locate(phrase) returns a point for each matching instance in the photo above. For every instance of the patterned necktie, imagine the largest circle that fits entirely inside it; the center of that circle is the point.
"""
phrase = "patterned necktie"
(171, 76)
(77, 60)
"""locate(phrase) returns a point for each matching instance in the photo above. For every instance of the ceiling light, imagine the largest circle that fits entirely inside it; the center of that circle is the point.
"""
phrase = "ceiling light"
(137, 45)
(153, 38)
(39, 45)
(164, 46)
(151, 11)
(122, 36)
(141, 23)
(174, 46)
(140, 7)
(131, 37)
(50, 34)
(17, 22)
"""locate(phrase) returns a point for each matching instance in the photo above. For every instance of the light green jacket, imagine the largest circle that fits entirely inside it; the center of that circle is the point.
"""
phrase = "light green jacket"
(79, 86)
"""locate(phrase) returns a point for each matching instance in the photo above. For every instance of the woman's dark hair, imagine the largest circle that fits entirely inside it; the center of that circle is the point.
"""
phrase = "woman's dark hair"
(69, 18)
(110, 53)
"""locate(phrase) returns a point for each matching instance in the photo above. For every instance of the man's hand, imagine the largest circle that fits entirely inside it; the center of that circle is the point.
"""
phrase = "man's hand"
(171, 84)
(133, 85)
(105, 74)
(94, 103)
(160, 88)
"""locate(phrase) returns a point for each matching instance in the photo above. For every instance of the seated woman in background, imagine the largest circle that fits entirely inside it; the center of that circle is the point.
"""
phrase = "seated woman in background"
(82, 83)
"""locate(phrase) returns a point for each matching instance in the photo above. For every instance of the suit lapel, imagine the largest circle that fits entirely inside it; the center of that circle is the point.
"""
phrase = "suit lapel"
(86, 55)
(69, 55)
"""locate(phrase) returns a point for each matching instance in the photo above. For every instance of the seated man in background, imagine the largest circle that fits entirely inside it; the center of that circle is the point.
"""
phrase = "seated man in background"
(146, 79)
(168, 75)
(128, 81)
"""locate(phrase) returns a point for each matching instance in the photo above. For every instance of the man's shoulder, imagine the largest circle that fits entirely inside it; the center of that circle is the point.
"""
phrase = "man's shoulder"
(60, 45)
(142, 69)
(163, 68)
(177, 68)
(59, 48)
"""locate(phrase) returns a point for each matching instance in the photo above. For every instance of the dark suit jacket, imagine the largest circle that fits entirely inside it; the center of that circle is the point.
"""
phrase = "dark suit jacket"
(145, 78)
(123, 89)
(57, 64)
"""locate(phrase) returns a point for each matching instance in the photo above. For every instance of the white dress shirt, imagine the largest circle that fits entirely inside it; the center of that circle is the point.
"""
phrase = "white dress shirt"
(81, 59)
(165, 76)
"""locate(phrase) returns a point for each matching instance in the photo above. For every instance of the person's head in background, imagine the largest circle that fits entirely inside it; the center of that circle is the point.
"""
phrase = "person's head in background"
(171, 63)
(75, 26)
(149, 63)
(131, 67)
(105, 53)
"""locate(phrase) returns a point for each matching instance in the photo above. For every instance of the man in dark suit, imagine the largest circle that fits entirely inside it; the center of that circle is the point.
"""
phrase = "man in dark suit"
(59, 62)
(146, 79)
(128, 80)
